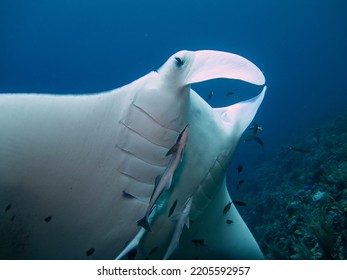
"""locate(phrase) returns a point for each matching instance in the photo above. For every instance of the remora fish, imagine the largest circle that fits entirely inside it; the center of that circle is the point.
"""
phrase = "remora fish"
(183, 219)
(163, 182)
(134, 243)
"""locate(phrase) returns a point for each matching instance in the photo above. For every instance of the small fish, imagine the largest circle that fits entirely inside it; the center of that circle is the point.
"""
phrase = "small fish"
(183, 219)
(239, 168)
(163, 181)
(229, 221)
(153, 250)
(230, 93)
(226, 208)
(255, 138)
(259, 141)
(255, 127)
(307, 187)
(250, 137)
(297, 149)
(239, 203)
(90, 252)
(48, 219)
(198, 242)
(172, 209)
(210, 95)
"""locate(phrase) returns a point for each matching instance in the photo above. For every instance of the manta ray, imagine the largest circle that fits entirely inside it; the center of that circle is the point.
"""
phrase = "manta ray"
(77, 172)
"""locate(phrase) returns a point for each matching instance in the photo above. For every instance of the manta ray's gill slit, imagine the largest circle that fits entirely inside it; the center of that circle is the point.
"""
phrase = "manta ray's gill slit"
(136, 169)
(138, 133)
(207, 189)
(224, 166)
(133, 155)
(149, 127)
(152, 118)
(217, 172)
(142, 148)
(134, 178)
(128, 195)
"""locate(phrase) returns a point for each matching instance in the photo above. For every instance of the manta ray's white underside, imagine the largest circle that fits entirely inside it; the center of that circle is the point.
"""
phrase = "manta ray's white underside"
(77, 172)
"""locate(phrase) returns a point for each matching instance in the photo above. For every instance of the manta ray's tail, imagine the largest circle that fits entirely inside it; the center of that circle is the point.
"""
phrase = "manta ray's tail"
(144, 223)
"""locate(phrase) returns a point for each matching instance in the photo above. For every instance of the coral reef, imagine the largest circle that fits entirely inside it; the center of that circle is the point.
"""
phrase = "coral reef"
(297, 201)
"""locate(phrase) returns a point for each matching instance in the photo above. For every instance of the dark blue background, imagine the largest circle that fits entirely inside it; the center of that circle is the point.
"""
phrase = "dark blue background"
(85, 46)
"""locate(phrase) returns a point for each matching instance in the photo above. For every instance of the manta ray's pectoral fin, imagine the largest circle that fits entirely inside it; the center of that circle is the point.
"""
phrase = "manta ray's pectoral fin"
(181, 219)
(221, 238)
(217, 224)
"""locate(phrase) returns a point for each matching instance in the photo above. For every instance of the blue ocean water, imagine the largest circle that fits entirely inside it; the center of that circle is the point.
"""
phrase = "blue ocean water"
(71, 46)
(88, 46)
